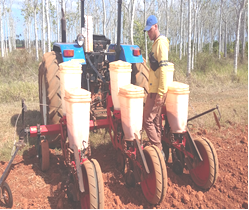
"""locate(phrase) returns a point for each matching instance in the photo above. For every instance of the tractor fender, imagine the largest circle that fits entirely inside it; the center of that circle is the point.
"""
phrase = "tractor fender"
(126, 54)
(79, 55)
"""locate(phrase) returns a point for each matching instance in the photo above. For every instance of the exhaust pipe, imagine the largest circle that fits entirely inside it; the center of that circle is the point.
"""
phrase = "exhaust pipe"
(82, 14)
(63, 26)
(118, 49)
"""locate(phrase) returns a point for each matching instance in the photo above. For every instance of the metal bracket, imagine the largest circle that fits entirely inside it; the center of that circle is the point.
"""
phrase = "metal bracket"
(141, 153)
(78, 168)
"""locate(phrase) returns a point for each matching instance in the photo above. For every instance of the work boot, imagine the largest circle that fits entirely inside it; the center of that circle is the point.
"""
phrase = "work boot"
(163, 155)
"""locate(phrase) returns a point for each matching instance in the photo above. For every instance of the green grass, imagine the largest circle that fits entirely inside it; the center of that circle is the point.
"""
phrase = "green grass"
(212, 83)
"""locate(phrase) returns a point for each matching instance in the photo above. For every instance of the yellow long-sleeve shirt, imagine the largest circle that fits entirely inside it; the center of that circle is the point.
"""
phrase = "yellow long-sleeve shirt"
(157, 79)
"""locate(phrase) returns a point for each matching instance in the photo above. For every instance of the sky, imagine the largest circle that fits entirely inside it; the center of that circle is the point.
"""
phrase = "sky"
(16, 12)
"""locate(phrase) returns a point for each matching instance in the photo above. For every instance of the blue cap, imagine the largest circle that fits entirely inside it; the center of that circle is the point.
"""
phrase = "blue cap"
(152, 20)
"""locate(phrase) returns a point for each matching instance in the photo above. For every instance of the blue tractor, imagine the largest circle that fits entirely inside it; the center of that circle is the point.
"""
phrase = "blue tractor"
(95, 64)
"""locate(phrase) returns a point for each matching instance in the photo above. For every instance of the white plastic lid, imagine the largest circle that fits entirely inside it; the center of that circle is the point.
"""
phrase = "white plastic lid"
(178, 86)
(131, 91)
(77, 93)
(119, 65)
(170, 67)
(70, 65)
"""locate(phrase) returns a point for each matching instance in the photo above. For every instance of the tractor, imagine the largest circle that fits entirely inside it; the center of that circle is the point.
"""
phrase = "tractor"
(92, 53)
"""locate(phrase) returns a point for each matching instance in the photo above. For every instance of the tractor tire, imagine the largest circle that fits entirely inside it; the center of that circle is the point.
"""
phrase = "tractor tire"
(49, 93)
(154, 184)
(49, 88)
(206, 173)
(140, 76)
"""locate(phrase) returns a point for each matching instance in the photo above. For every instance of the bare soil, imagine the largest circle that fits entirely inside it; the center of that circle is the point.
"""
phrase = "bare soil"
(32, 188)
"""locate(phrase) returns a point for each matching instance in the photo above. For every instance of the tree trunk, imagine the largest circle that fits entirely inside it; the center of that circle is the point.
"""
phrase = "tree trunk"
(133, 6)
(43, 28)
(9, 30)
(181, 20)
(145, 33)
(243, 35)
(36, 37)
(236, 51)
(104, 17)
(48, 27)
(184, 41)
(225, 40)
(58, 21)
(221, 3)
(2, 36)
(194, 41)
(189, 38)
(29, 35)
(167, 18)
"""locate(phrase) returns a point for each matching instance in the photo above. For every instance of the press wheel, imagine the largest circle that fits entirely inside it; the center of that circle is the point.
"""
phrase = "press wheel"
(44, 159)
(92, 197)
(154, 184)
(7, 195)
(206, 173)
(100, 183)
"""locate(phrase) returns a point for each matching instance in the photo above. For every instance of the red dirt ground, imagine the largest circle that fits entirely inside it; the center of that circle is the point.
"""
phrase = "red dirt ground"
(31, 188)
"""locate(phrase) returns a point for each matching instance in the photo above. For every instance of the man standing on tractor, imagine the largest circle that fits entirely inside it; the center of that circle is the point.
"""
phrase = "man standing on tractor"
(157, 83)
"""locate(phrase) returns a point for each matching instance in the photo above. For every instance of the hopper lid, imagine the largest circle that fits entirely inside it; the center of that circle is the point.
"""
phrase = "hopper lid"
(77, 93)
(69, 65)
(131, 89)
(178, 86)
(119, 65)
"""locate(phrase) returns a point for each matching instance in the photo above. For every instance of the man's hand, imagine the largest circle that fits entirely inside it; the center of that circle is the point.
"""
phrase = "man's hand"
(160, 100)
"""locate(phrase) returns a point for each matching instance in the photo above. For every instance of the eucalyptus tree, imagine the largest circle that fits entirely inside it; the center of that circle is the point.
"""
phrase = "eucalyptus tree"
(133, 6)
(243, 33)
(167, 18)
(58, 19)
(226, 13)
(9, 28)
(111, 20)
(240, 6)
(220, 21)
(35, 4)
(48, 26)
(43, 28)
(27, 12)
(1, 26)
(5, 27)
(181, 29)
(189, 38)
(104, 17)
(145, 34)
(194, 34)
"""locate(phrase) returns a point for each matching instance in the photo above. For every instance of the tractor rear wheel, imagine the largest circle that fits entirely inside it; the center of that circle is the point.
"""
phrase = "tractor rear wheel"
(154, 184)
(206, 173)
(49, 88)
(140, 76)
